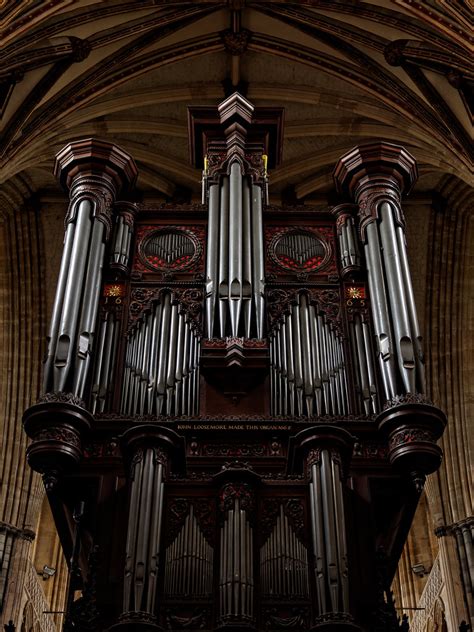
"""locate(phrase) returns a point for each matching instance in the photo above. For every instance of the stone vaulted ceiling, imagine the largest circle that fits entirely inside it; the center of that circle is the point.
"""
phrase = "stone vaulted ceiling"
(345, 72)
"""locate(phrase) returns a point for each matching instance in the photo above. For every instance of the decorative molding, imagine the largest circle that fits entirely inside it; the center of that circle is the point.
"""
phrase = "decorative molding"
(407, 399)
(61, 398)
(279, 302)
(230, 492)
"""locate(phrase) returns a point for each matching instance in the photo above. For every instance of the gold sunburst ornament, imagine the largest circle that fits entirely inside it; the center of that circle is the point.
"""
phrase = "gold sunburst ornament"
(113, 290)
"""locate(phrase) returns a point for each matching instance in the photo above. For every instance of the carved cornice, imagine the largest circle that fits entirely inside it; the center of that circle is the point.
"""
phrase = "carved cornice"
(110, 165)
(371, 165)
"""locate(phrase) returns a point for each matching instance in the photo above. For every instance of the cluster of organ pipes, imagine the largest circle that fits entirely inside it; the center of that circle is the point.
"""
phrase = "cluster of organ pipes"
(162, 363)
(235, 257)
(284, 562)
(73, 321)
(189, 564)
(398, 338)
(299, 247)
(170, 246)
(142, 556)
(120, 251)
(363, 364)
(307, 365)
(328, 532)
(236, 582)
(348, 243)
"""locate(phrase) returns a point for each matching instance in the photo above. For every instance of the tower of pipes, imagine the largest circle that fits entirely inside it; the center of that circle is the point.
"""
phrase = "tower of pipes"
(234, 431)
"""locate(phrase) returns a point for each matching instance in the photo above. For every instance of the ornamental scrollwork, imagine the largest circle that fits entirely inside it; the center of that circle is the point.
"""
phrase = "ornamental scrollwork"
(406, 399)
(411, 435)
(60, 434)
(368, 207)
(178, 509)
(204, 510)
(294, 511)
(279, 302)
(60, 397)
(190, 301)
(231, 492)
(100, 194)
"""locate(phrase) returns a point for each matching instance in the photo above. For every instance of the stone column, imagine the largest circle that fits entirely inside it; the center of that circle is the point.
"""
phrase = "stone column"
(149, 452)
(94, 172)
(376, 175)
(236, 569)
(326, 451)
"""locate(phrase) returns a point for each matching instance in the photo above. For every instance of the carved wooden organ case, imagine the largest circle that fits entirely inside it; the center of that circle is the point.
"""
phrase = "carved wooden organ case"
(233, 391)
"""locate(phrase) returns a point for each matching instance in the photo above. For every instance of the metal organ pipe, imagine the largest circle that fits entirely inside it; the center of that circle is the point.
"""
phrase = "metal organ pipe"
(211, 260)
(258, 269)
(411, 307)
(247, 252)
(380, 311)
(396, 292)
(58, 306)
(223, 245)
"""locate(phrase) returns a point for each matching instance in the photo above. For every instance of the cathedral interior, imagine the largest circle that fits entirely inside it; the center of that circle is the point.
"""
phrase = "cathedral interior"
(236, 315)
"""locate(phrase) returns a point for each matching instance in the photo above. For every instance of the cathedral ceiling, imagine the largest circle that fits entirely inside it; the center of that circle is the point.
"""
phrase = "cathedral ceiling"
(345, 72)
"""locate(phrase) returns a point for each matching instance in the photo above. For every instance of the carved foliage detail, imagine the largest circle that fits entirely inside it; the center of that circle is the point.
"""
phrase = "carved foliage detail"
(189, 299)
(411, 435)
(293, 509)
(279, 302)
(233, 491)
(61, 434)
(100, 195)
(368, 206)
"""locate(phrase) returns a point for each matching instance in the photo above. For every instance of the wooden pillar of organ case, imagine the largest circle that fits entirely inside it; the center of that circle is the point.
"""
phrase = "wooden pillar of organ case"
(237, 486)
(150, 452)
(325, 452)
(376, 175)
(94, 173)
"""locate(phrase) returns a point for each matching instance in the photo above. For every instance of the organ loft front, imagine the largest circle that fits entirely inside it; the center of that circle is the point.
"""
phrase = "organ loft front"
(233, 432)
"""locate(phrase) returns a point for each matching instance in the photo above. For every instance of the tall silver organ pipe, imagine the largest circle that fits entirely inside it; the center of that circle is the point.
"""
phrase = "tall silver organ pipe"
(284, 562)
(189, 564)
(234, 265)
(307, 364)
(363, 363)
(107, 342)
(162, 363)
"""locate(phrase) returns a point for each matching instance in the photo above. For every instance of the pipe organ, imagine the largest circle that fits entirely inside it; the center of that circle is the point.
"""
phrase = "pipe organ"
(233, 390)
